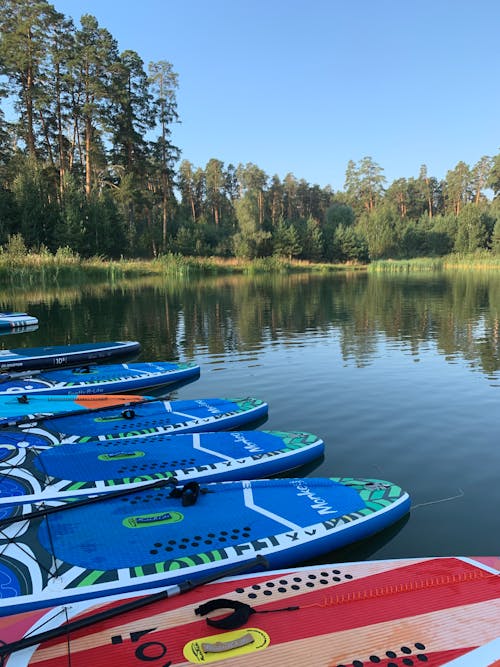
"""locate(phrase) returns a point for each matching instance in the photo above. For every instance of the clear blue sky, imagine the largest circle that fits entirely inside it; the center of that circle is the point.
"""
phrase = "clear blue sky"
(304, 86)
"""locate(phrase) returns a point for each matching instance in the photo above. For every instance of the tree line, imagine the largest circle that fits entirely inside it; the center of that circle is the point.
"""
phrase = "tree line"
(87, 163)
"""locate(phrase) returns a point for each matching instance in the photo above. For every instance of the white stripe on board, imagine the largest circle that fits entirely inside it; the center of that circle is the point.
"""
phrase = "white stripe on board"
(250, 503)
(197, 445)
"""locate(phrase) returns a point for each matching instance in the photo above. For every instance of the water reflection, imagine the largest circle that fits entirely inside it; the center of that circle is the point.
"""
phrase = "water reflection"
(397, 374)
(456, 313)
(363, 549)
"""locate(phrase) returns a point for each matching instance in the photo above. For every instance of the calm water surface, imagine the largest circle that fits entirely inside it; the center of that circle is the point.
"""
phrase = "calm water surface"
(399, 375)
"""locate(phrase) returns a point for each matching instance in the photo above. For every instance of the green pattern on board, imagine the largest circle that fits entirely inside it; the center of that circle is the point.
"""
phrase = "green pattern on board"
(296, 440)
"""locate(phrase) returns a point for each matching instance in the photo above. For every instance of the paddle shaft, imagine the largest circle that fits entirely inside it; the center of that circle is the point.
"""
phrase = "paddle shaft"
(171, 591)
(89, 500)
(20, 421)
(5, 377)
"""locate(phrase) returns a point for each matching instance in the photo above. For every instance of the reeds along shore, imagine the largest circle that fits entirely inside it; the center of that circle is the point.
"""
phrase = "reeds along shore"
(34, 268)
(477, 261)
(31, 268)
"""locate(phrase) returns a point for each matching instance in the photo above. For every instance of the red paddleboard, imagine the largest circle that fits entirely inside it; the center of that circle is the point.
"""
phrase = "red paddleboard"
(390, 613)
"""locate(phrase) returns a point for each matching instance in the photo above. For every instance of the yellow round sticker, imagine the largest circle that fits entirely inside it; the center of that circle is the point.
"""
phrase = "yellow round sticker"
(226, 645)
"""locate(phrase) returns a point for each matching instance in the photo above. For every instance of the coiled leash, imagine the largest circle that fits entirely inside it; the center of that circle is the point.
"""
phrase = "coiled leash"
(239, 616)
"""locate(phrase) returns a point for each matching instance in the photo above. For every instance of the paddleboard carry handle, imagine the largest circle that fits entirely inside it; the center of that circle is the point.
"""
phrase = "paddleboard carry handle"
(188, 493)
(170, 591)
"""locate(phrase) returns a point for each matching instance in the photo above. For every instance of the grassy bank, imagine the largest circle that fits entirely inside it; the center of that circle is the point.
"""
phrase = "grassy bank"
(64, 266)
(29, 268)
(480, 261)
(218, 265)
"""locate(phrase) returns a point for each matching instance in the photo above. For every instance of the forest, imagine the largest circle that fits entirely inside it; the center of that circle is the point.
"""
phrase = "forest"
(88, 166)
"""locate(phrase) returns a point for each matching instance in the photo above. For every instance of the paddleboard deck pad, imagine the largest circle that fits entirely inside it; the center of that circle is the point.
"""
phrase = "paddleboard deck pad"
(94, 379)
(31, 474)
(54, 356)
(159, 536)
(149, 418)
(9, 320)
(392, 613)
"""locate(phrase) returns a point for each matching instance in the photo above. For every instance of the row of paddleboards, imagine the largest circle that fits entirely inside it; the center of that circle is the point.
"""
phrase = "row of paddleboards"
(110, 505)
(123, 497)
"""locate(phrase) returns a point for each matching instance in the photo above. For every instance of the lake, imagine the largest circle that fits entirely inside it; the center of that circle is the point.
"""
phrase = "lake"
(399, 374)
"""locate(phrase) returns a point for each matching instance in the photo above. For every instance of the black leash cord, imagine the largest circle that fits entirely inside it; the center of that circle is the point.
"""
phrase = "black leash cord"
(239, 616)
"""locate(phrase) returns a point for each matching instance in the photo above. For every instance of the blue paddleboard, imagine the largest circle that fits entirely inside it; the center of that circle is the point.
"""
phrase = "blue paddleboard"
(18, 330)
(10, 320)
(147, 418)
(55, 356)
(22, 408)
(105, 379)
(159, 536)
(71, 470)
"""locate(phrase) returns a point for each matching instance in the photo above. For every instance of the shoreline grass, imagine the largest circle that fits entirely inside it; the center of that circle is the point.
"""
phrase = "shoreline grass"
(30, 268)
(482, 261)
(46, 268)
